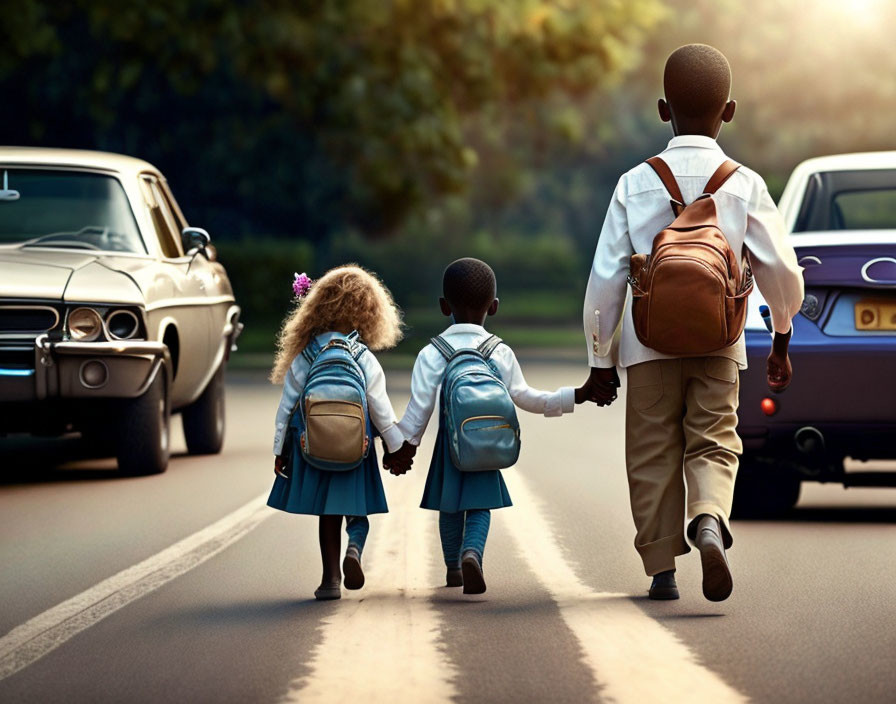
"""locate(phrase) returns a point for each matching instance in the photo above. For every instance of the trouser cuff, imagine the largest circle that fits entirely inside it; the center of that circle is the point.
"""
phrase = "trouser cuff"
(660, 555)
(701, 508)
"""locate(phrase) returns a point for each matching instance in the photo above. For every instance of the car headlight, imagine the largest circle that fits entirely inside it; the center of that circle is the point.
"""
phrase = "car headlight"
(122, 324)
(84, 324)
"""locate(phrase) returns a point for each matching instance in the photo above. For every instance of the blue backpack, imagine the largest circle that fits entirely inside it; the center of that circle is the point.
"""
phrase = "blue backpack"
(331, 413)
(479, 415)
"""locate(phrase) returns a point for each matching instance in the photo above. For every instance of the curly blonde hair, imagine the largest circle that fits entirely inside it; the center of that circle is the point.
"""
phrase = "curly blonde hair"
(346, 298)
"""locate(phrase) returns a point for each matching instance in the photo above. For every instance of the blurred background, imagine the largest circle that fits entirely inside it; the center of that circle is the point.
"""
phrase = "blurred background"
(402, 134)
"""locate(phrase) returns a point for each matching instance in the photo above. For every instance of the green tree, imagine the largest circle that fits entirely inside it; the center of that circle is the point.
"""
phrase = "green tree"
(306, 115)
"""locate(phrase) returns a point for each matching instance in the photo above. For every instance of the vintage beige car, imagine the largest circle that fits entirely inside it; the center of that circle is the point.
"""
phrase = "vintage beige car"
(113, 311)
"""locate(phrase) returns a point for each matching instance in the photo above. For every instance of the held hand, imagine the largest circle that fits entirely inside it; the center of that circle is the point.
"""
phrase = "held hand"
(601, 386)
(400, 461)
(279, 467)
(779, 371)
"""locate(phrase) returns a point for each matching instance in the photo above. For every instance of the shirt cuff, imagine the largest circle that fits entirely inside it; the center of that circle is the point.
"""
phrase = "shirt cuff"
(603, 362)
(567, 399)
(392, 438)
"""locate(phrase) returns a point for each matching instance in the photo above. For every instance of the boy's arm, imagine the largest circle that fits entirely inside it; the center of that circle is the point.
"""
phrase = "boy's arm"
(605, 295)
(378, 404)
(548, 403)
(292, 389)
(425, 380)
(777, 274)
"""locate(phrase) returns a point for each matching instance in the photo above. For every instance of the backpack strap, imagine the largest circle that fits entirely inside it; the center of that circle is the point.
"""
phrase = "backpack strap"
(443, 346)
(357, 347)
(311, 351)
(721, 174)
(489, 345)
(669, 183)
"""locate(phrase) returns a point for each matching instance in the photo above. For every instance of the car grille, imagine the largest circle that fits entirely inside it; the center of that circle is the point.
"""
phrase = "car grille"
(27, 319)
(16, 358)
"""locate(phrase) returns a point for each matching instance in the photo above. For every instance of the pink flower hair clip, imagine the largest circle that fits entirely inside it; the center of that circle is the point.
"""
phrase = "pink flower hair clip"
(301, 285)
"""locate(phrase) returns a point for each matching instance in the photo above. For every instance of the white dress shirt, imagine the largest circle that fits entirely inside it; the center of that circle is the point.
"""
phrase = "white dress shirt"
(640, 209)
(426, 381)
(378, 404)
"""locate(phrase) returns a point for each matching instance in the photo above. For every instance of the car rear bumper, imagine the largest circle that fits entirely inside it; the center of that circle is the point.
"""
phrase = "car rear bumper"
(844, 388)
(84, 370)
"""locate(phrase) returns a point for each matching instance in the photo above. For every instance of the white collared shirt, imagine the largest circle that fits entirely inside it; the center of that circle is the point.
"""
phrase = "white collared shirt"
(378, 404)
(426, 380)
(640, 209)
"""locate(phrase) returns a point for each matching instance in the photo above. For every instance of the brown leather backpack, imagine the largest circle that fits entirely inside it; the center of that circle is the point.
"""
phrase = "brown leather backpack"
(690, 293)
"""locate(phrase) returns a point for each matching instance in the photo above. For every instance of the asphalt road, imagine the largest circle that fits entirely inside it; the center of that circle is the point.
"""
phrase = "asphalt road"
(97, 606)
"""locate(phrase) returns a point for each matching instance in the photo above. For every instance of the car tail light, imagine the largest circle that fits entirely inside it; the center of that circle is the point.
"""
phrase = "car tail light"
(769, 406)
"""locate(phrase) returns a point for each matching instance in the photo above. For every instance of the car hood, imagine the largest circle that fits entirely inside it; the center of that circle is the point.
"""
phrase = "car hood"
(68, 276)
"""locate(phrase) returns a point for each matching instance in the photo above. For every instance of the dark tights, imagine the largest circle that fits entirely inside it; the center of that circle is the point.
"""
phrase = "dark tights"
(330, 534)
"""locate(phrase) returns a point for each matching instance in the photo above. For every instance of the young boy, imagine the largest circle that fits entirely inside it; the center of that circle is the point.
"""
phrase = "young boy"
(464, 499)
(681, 413)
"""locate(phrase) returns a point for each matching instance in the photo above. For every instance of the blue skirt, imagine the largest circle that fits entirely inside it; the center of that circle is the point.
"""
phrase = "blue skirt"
(319, 492)
(450, 490)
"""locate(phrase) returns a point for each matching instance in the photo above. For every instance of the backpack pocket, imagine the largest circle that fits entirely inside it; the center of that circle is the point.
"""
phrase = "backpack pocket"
(487, 442)
(335, 436)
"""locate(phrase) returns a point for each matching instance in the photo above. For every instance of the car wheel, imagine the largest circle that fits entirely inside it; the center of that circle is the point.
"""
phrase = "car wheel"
(204, 418)
(764, 490)
(144, 433)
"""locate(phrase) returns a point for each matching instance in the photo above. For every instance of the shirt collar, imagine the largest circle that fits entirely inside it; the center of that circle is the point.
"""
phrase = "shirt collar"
(463, 328)
(693, 140)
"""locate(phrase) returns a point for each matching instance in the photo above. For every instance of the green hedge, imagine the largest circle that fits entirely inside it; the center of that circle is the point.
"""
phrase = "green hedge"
(541, 280)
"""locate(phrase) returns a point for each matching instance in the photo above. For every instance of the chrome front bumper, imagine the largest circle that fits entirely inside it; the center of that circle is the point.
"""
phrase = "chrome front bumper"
(120, 369)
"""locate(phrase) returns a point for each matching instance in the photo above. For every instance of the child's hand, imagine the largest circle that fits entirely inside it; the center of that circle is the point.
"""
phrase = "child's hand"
(279, 467)
(779, 372)
(600, 387)
(400, 461)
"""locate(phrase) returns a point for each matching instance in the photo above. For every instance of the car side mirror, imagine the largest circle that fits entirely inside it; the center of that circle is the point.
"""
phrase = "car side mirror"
(195, 238)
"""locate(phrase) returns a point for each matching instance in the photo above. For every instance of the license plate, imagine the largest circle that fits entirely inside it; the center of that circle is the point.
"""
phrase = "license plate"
(876, 315)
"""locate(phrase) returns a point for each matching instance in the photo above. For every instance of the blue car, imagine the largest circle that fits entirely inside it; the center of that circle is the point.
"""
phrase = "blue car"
(841, 211)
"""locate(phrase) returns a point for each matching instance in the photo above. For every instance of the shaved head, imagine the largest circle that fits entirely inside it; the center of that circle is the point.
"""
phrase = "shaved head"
(697, 81)
(469, 283)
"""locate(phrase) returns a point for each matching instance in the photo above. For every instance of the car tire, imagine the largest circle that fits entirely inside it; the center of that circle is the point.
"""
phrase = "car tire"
(764, 490)
(144, 431)
(203, 420)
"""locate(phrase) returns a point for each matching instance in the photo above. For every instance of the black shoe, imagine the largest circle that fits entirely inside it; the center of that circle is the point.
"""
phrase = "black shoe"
(454, 577)
(663, 587)
(717, 582)
(328, 591)
(471, 570)
(351, 567)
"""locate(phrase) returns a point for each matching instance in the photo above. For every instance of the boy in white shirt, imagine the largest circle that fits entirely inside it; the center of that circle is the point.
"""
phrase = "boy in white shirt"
(681, 413)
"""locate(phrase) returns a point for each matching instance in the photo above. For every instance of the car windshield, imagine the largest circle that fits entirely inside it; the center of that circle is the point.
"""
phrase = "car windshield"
(67, 209)
(849, 200)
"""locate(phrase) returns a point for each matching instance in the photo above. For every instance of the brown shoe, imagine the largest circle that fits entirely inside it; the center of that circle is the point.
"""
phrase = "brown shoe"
(471, 570)
(454, 577)
(351, 567)
(663, 587)
(717, 582)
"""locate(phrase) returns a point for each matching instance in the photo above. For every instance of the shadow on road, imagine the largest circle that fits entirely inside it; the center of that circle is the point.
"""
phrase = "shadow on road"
(843, 514)
(35, 460)
(247, 612)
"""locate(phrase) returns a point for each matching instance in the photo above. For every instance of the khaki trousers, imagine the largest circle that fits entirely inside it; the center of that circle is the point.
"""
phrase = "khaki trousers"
(680, 431)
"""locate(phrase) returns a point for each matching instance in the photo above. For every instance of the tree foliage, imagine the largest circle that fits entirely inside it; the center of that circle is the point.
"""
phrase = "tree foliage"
(303, 116)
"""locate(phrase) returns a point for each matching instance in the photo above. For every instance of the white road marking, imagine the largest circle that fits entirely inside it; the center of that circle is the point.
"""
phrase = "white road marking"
(35, 638)
(633, 657)
(382, 643)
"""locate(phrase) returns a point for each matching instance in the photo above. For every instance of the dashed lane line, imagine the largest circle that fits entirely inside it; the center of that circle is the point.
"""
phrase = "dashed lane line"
(382, 643)
(633, 657)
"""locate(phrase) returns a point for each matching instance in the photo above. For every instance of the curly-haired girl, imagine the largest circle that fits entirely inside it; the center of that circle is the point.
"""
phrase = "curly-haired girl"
(346, 299)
